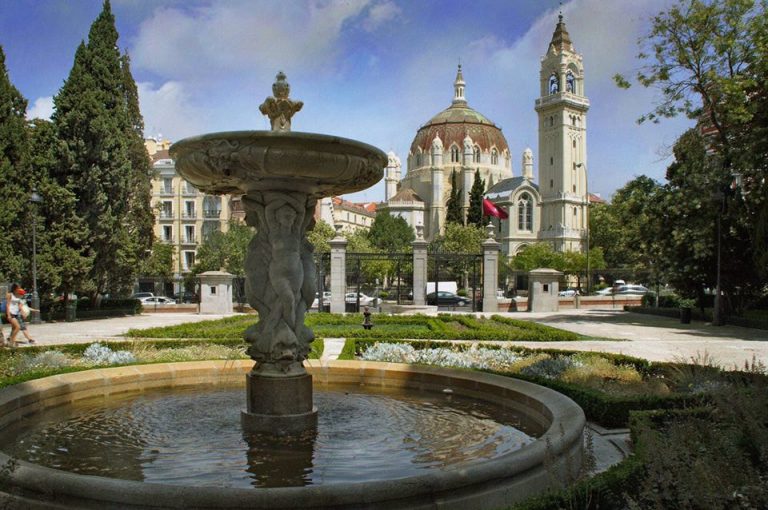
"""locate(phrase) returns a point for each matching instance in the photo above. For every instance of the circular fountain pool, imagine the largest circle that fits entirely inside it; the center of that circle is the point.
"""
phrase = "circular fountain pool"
(388, 436)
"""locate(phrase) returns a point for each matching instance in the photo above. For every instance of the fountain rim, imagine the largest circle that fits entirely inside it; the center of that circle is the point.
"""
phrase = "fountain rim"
(564, 433)
(253, 135)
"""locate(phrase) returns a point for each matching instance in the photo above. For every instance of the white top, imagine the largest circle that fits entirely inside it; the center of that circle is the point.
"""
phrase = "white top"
(15, 303)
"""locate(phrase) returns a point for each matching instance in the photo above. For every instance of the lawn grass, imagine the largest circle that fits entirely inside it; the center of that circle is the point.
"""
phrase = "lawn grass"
(394, 327)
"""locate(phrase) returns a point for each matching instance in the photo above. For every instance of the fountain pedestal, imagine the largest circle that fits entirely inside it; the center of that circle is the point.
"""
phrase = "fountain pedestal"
(280, 175)
(279, 405)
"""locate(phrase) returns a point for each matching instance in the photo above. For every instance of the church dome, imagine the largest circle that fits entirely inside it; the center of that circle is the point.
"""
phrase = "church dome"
(457, 122)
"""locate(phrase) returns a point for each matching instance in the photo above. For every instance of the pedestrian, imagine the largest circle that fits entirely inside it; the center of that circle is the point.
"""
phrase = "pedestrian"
(367, 324)
(14, 304)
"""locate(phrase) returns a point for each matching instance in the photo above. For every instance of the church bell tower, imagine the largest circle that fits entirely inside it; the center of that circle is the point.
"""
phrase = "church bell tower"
(562, 112)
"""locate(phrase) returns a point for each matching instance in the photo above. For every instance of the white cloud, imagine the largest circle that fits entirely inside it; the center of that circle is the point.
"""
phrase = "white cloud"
(42, 108)
(169, 110)
(240, 37)
(380, 14)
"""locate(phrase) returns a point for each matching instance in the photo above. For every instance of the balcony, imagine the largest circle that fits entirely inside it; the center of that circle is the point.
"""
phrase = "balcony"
(212, 214)
(167, 240)
(166, 192)
(189, 240)
(166, 215)
(189, 215)
(188, 191)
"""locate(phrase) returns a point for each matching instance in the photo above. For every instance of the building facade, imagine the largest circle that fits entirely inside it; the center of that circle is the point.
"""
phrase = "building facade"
(184, 216)
(461, 142)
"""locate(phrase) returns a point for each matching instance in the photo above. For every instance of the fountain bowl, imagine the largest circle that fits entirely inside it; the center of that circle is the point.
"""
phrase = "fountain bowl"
(545, 463)
(250, 161)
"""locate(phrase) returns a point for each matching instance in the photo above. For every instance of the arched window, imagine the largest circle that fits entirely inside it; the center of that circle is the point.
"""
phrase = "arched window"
(525, 213)
(554, 84)
(494, 157)
(570, 83)
(455, 156)
(476, 154)
(418, 159)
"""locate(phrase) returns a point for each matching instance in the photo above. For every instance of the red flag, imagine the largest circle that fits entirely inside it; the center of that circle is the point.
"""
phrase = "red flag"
(491, 209)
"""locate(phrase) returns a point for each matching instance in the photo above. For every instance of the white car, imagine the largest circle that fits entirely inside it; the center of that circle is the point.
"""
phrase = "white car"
(157, 301)
(351, 297)
(568, 293)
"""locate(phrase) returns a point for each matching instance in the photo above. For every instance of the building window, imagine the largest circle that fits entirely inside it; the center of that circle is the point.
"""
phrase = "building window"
(166, 210)
(494, 157)
(575, 212)
(455, 154)
(574, 144)
(551, 183)
(168, 185)
(574, 188)
(189, 260)
(551, 160)
(209, 227)
(167, 233)
(525, 213)
(554, 85)
(189, 209)
(570, 83)
(189, 233)
(476, 154)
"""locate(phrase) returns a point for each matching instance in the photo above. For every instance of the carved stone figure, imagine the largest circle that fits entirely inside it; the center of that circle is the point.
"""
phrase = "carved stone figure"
(280, 277)
(279, 108)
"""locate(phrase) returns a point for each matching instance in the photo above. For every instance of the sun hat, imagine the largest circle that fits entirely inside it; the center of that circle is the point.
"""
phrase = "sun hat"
(21, 291)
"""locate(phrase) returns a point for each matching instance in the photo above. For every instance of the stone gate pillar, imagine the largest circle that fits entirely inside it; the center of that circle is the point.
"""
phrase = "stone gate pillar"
(338, 271)
(490, 270)
(419, 267)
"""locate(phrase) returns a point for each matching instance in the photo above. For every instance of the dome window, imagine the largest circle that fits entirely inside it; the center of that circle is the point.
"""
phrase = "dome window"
(494, 157)
(455, 155)
(476, 154)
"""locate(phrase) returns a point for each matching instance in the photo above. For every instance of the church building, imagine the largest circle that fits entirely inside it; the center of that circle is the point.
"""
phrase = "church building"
(459, 141)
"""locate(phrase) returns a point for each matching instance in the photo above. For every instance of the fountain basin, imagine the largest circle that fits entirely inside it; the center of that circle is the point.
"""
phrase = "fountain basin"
(249, 161)
(493, 483)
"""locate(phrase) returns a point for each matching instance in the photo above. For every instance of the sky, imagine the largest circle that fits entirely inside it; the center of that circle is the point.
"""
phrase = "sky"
(370, 70)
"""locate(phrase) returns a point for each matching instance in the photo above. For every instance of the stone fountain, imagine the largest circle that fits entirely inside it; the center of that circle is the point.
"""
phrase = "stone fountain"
(280, 175)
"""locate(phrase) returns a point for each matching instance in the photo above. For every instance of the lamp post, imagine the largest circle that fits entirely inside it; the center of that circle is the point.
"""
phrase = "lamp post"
(586, 186)
(35, 199)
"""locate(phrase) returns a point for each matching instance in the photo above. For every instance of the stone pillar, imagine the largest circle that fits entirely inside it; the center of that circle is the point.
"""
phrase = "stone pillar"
(215, 292)
(338, 271)
(490, 270)
(419, 267)
(543, 289)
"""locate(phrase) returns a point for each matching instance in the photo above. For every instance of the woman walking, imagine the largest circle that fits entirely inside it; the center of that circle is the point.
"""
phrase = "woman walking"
(14, 301)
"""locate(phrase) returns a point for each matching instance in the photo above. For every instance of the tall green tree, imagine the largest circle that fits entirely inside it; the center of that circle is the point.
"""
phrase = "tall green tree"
(708, 60)
(100, 137)
(475, 213)
(390, 234)
(63, 255)
(14, 176)
(159, 263)
(539, 255)
(454, 213)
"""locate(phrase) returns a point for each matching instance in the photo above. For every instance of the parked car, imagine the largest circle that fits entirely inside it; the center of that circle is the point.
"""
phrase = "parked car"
(351, 297)
(568, 293)
(157, 301)
(140, 295)
(446, 298)
(632, 290)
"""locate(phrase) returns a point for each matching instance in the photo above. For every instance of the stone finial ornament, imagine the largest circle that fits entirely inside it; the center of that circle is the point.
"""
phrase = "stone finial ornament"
(490, 229)
(279, 108)
(419, 232)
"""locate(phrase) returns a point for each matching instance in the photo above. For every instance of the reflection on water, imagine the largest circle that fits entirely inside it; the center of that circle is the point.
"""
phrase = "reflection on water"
(193, 437)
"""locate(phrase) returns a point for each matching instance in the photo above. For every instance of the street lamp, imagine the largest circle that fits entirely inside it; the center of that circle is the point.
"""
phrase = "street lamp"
(586, 186)
(35, 199)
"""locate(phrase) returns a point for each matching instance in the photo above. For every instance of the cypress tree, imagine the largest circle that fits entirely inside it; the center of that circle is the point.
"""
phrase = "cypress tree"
(453, 207)
(14, 180)
(92, 120)
(475, 214)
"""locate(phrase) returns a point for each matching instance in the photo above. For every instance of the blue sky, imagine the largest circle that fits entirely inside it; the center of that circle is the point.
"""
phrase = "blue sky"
(372, 70)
